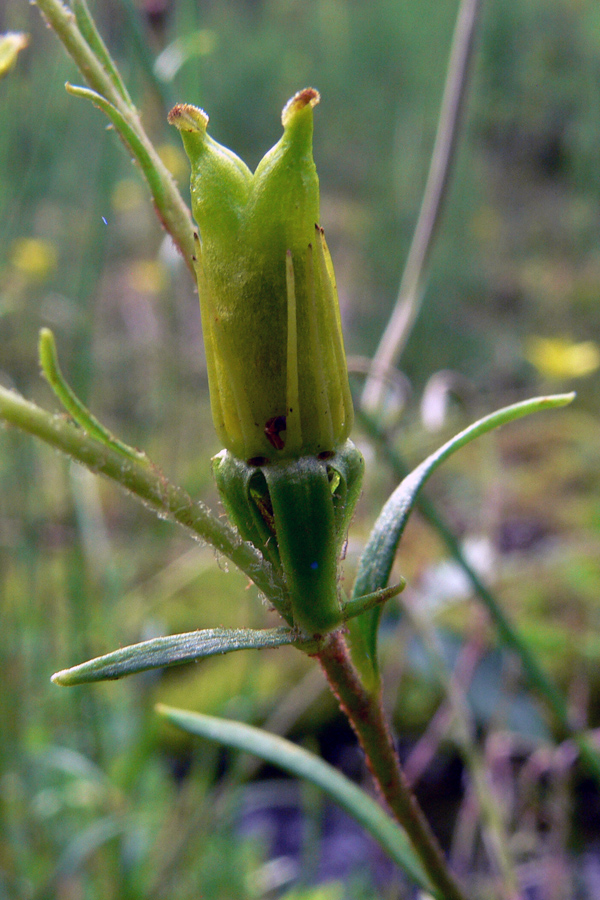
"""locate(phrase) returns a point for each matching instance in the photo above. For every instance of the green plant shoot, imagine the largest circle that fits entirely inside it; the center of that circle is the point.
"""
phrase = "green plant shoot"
(277, 371)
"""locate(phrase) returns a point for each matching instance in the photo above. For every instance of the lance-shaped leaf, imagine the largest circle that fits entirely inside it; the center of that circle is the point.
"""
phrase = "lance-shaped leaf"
(177, 649)
(91, 35)
(301, 763)
(378, 556)
(173, 650)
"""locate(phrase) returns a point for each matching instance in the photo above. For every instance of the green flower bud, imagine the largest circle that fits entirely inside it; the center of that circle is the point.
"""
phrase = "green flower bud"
(275, 357)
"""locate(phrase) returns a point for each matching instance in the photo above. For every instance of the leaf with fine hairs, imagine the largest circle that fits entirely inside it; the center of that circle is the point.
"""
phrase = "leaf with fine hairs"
(173, 650)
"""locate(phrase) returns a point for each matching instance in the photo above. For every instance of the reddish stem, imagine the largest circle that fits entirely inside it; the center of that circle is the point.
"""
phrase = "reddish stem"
(365, 714)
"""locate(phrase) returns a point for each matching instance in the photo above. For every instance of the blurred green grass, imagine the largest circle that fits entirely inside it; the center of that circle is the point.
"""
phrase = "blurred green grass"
(83, 570)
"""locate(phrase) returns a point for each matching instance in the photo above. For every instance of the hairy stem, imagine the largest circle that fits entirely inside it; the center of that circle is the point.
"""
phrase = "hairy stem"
(104, 79)
(365, 713)
(146, 482)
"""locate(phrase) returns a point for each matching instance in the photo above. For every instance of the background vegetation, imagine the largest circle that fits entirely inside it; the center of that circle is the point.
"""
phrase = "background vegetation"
(95, 800)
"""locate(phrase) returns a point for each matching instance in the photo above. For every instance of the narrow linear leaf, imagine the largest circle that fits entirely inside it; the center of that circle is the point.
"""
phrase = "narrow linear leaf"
(90, 33)
(508, 633)
(172, 212)
(86, 843)
(358, 605)
(147, 483)
(126, 132)
(170, 207)
(63, 21)
(301, 763)
(170, 60)
(173, 650)
(378, 556)
(72, 403)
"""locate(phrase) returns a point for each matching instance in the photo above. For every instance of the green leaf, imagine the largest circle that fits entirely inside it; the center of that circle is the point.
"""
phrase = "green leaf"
(170, 60)
(147, 483)
(80, 413)
(301, 763)
(378, 556)
(125, 131)
(167, 200)
(359, 605)
(173, 650)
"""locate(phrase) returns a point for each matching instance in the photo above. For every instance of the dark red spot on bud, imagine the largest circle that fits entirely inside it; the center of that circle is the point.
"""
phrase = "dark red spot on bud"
(273, 430)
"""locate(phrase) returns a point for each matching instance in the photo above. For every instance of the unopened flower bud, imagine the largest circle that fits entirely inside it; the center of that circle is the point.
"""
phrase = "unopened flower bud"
(276, 365)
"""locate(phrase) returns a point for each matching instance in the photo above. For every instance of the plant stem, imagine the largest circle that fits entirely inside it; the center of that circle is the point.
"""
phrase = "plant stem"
(169, 205)
(507, 631)
(147, 483)
(365, 713)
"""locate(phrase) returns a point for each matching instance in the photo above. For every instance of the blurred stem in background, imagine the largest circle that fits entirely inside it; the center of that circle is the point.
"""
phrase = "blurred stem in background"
(412, 285)
(89, 52)
(461, 730)
(398, 330)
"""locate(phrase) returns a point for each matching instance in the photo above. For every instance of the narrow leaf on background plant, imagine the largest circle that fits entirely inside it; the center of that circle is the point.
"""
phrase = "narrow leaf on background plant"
(303, 764)
(378, 556)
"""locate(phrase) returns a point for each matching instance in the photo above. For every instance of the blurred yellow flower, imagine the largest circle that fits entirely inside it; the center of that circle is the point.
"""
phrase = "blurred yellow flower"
(128, 194)
(486, 224)
(147, 276)
(34, 257)
(11, 44)
(558, 358)
(175, 160)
